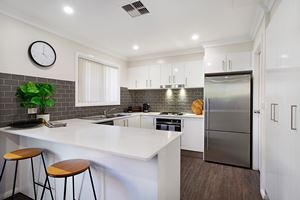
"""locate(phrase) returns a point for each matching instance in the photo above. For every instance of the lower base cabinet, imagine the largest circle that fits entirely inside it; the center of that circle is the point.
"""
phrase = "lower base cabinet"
(134, 121)
(148, 122)
(192, 138)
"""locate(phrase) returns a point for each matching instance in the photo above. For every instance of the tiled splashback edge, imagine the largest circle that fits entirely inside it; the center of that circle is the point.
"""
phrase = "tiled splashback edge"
(160, 100)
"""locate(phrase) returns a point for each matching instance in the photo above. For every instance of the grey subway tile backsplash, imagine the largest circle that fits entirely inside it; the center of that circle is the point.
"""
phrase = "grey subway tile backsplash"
(160, 100)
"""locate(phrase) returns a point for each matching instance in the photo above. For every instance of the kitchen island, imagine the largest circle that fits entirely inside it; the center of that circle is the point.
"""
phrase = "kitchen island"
(127, 163)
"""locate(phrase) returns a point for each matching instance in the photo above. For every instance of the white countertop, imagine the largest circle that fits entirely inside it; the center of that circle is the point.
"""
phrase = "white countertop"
(135, 143)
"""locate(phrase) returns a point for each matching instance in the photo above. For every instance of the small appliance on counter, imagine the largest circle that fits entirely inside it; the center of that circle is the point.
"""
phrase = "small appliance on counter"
(146, 107)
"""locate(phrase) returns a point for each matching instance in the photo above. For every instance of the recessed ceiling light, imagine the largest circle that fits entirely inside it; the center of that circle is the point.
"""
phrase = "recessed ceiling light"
(135, 47)
(195, 37)
(69, 10)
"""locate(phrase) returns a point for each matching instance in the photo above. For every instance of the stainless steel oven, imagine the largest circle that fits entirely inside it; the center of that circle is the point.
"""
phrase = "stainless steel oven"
(167, 124)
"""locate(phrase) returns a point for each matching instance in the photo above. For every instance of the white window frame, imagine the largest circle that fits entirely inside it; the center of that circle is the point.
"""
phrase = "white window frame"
(100, 61)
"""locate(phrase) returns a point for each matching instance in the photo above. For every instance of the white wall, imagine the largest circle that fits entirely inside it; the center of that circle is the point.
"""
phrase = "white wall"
(15, 38)
(167, 59)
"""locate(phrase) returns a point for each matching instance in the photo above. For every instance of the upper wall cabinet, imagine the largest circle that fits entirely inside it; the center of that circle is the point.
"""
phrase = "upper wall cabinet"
(189, 74)
(144, 77)
(231, 62)
(194, 74)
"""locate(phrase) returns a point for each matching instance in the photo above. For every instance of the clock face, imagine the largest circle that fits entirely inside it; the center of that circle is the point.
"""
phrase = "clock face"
(42, 53)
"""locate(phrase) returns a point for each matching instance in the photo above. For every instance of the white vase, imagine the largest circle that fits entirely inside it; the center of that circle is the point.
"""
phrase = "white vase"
(45, 117)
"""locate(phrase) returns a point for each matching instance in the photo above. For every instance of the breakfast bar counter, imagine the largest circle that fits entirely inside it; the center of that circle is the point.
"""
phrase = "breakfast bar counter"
(127, 163)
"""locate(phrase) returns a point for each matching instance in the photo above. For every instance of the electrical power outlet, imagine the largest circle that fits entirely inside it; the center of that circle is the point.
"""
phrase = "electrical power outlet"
(32, 111)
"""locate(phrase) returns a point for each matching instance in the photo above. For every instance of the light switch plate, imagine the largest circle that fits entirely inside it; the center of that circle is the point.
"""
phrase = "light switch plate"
(31, 111)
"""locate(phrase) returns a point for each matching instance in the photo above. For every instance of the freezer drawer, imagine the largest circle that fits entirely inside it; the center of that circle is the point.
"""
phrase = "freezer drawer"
(228, 148)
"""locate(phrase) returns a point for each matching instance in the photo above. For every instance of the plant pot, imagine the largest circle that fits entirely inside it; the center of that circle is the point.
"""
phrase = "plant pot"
(45, 117)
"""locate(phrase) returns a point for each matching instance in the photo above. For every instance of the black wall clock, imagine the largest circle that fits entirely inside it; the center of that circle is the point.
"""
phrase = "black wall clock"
(42, 53)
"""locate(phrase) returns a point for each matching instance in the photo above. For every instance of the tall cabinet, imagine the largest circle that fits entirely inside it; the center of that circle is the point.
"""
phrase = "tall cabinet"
(282, 92)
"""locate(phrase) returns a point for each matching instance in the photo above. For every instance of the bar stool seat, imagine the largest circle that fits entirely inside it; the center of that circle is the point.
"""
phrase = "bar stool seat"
(68, 168)
(22, 154)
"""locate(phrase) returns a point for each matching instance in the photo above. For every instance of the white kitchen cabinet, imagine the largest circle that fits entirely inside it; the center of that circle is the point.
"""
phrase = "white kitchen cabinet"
(240, 61)
(178, 73)
(230, 62)
(137, 77)
(134, 121)
(120, 122)
(215, 63)
(282, 135)
(148, 122)
(194, 74)
(153, 77)
(166, 74)
(193, 134)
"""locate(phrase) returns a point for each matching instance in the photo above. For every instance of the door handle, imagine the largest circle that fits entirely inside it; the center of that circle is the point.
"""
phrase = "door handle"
(273, 112)
(257, 111)
(230, 65)
(146, 83)
(294, 117)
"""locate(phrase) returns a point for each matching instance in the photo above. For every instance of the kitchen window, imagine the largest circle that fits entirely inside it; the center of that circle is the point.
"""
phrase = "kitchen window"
(97, 82)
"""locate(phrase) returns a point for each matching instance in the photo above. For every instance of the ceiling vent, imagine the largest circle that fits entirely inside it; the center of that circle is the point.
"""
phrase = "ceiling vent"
(136, 9)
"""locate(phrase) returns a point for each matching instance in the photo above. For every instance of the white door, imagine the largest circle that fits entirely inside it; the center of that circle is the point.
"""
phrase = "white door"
(148, 122)
(215, 63)
(154, 77)
(193, 134)
(178, 73)
(120, 122)
(240, 61)
(194, 75)
(134, 121)
(166, 74)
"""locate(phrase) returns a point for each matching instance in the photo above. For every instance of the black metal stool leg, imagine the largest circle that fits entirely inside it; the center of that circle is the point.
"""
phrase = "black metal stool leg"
(65, 189)
(92, 184)
(15, 180)
(42, 196)
(33, 178)
(47, 179)
(73, 183)
(2, 172)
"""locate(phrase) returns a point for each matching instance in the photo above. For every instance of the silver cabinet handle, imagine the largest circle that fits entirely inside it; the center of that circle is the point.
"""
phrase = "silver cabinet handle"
(230, 65)
(257, 111)
(153, 121)
(186, 80)
(207, 139)
(169, 79)
(273, 112)
(146, 83)
(150, 83)
(294, 117)
(173, 79)
(182, 121)
(223, 65)
(124, 124)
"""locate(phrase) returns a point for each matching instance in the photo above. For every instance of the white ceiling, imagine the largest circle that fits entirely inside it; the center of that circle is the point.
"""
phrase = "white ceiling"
(104, 25)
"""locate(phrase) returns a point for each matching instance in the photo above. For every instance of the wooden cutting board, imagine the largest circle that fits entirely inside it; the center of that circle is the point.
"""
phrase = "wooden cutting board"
(197, 106)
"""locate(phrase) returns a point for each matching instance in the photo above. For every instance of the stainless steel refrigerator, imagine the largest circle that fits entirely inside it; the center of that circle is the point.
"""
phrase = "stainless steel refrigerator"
(228, 118)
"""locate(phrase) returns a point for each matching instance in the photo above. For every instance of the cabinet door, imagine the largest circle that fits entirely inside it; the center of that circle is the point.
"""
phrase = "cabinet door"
(240, 61)
(193, 134)
(194, 74)
(178, 73)
(134, 121)
(215, 63)
(148, 122)
(120, 122)
(166, 74)
(154, 77)
(138, 77)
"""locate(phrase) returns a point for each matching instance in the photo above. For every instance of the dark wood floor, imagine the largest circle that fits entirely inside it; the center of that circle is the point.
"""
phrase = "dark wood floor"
(20, 196)
(207, 181)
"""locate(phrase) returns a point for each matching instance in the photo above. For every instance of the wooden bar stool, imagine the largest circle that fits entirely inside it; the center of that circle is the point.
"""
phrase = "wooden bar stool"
(23, 154)
(68, 168)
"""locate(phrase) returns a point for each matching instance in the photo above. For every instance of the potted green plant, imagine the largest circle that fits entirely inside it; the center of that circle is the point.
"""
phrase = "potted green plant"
(37, 95)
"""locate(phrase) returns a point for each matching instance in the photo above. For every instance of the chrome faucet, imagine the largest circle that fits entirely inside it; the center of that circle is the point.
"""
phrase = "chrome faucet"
(106, 112)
